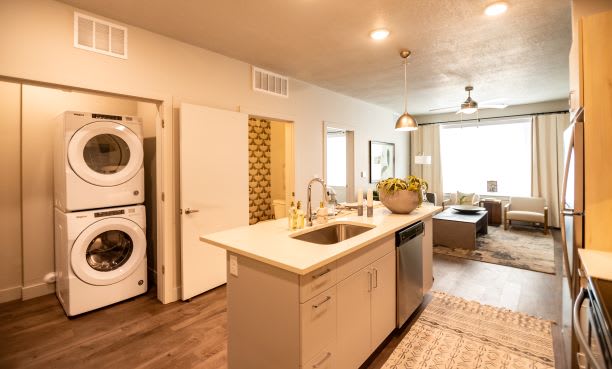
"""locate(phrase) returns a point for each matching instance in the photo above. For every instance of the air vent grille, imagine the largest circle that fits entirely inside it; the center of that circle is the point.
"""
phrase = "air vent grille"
(99, 36)
(271, 83)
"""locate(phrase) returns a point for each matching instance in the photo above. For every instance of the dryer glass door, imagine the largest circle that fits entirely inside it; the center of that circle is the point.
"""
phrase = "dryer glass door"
(105, 153)
(109, 250)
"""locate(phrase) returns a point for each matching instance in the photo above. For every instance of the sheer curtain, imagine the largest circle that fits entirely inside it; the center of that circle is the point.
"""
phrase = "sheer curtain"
(547, 161)
(426, 141)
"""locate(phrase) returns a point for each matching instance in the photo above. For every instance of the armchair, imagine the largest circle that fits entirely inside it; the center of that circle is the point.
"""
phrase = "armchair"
(527, 209)
(461, 198)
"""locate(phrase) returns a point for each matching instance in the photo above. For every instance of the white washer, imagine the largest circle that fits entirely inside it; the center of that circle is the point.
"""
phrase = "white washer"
(100, 257)
(98, 161)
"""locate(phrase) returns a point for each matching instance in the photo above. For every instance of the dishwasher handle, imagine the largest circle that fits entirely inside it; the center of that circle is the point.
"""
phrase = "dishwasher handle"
(404, 235)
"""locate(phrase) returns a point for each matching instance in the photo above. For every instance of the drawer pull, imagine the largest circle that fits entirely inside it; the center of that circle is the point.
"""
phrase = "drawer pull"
(316, 306)
(318, 365)
(321, 274)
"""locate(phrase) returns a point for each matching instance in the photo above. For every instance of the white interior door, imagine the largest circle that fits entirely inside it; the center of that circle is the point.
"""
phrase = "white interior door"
(214, 190)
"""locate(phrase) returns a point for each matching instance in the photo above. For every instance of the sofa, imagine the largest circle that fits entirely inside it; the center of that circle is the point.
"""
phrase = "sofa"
(461, 198)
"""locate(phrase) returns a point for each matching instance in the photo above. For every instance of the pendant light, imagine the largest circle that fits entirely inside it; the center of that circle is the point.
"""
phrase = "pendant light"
(406, 122)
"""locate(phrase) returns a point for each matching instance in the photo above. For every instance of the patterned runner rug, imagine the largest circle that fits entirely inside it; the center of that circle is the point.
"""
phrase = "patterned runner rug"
(453, 333)
(518, 247)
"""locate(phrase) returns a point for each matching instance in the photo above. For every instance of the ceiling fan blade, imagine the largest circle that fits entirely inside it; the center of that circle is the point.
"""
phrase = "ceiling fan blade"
(493, 106)
(447, 108)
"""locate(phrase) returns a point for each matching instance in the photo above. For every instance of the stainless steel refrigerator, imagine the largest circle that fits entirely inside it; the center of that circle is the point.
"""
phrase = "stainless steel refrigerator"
(572, 227)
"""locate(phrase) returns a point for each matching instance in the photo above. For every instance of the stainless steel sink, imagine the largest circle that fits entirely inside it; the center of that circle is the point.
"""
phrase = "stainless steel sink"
(332, 233)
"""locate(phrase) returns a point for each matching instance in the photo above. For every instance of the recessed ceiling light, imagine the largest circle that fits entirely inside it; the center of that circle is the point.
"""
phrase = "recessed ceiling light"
(379, 34)
(496, 8)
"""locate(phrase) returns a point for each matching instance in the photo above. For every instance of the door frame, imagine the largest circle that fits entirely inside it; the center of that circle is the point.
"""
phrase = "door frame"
(350, 155)
(166, 271)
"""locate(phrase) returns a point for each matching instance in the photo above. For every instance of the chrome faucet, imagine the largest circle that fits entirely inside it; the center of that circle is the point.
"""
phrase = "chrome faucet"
(309, 202)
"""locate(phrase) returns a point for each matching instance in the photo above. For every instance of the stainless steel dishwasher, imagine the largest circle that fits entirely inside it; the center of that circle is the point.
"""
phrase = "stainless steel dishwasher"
(409, 270)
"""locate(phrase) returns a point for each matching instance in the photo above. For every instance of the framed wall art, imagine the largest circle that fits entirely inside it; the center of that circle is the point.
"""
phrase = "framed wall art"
(382, 161)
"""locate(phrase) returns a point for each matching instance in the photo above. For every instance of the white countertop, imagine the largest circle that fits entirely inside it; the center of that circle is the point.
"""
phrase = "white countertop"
(596, 263)
(270, 241)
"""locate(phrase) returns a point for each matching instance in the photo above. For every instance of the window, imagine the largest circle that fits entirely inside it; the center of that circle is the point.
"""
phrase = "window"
(498, 151)
(336, 157)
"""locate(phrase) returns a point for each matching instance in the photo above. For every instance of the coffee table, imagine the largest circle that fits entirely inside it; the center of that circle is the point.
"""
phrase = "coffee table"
(458, 230)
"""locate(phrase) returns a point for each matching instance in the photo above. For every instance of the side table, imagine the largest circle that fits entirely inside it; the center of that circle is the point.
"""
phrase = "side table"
(494, 208)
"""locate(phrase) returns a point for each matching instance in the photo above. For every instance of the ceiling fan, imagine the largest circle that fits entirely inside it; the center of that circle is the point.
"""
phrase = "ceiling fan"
(471, 106)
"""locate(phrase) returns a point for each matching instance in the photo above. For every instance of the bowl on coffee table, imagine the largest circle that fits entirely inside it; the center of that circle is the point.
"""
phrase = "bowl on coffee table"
(467, 209)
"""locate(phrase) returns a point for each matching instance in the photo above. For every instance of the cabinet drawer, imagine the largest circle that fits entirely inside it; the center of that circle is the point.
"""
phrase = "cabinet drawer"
(317, 281)
(324, 359)
(318, 324)
(356, 261)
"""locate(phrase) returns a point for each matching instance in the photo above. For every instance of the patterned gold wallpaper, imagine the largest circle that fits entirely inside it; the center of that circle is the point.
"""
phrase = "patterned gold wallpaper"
(260, 201)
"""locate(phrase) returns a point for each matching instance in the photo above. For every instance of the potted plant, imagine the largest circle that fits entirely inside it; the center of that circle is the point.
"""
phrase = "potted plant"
(402, 195)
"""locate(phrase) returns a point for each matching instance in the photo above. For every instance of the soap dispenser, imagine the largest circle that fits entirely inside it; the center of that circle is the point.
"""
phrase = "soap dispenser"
(300, 215)
(292, 216)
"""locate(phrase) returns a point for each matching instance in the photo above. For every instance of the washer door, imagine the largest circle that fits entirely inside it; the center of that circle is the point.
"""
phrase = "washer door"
(105, 153)
(108, 251)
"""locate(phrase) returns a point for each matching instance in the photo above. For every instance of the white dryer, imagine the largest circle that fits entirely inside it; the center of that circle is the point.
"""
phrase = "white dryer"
(100, 257)
(98, 161)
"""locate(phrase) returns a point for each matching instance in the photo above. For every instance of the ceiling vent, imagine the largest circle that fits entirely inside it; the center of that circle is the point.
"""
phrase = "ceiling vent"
(271, 83)
(100, 36)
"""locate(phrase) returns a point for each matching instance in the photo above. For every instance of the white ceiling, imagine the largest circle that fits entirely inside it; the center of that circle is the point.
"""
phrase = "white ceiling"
(521, 56)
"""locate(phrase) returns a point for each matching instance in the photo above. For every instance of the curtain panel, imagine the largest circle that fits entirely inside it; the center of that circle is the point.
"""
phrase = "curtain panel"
(426, 141)
(547, 161)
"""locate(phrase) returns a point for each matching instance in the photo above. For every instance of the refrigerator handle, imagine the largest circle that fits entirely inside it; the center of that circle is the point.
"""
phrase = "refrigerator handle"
(568, 157)
(565, 212)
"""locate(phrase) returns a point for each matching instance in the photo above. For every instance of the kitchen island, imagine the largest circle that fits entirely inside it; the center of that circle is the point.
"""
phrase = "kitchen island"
(299, 304)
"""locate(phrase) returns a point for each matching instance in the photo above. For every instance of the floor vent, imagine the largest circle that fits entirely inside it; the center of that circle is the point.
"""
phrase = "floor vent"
(271, 83)
(99, 36)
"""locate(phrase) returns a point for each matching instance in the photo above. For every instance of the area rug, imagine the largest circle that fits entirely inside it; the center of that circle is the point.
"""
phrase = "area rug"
(454, 333)
(518, 247)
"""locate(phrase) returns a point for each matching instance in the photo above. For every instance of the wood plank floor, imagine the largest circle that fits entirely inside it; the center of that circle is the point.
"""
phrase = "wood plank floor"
(143, 333)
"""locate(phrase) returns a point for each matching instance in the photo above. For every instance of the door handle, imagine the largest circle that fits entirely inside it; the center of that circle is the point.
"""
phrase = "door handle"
(570, 212)
(189, 211)
(375, 278)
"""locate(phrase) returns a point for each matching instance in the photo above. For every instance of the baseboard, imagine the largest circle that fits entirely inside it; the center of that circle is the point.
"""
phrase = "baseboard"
(10, 294)
(36, 290)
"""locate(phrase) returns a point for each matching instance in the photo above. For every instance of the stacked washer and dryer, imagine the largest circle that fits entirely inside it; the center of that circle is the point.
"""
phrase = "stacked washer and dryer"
(100, 242)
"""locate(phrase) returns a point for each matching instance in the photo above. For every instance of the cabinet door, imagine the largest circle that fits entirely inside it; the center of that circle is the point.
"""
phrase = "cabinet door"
(353, 342)
(383, 298)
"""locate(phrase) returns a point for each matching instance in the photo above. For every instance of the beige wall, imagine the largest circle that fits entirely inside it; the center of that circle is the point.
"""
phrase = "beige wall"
(10, 196)
(159, 66)
(277, 160)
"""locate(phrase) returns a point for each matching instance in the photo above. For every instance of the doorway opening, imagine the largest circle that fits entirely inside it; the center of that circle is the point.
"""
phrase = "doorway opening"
(339, 162)
(271, 170)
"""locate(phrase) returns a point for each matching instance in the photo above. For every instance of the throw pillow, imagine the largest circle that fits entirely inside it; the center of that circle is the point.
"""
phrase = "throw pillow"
(464, 198)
